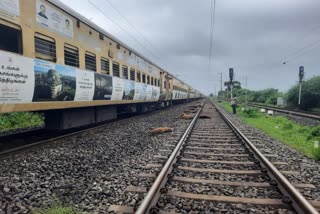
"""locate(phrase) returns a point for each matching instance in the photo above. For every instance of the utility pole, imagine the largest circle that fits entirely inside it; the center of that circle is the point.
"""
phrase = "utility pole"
(301, 74)
(246, 90)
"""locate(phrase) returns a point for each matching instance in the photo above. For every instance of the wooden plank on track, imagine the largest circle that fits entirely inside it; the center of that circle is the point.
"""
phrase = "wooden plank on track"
(153, 165)
(315, 203)
(160, 157)
(217, 149)
(228, 199)
(147, 175)
(218, 182)
(235, 183)
(165, 150)
(215, 154)
(215, 144)
(240, 172)
(214, 161)
(136, 189)
(120, 209)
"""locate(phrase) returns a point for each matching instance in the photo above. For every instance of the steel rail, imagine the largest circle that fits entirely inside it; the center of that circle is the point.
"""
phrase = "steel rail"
(299, 202)
(288, 111)
(153, 194)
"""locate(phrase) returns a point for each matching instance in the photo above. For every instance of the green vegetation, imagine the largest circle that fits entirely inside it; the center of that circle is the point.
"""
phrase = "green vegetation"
(20, 120)
(56, 208)
(310, 97)
(310, 94)
(299, 137)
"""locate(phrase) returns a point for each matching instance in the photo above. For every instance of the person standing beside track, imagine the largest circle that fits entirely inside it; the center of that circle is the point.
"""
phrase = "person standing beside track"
(234, 102)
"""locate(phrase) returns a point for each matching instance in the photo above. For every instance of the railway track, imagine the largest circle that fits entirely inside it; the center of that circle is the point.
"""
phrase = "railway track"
(305, 114)
(215, 168)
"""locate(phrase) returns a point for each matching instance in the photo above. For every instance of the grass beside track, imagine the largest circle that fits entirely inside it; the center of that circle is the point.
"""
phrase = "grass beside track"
(20, 120)
(298, 137)
(56, 208)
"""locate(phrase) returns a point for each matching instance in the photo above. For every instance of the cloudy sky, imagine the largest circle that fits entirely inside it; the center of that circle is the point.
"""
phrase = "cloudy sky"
(252, 36)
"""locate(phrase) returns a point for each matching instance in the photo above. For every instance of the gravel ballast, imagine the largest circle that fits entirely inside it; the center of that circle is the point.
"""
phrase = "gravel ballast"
(91, 171)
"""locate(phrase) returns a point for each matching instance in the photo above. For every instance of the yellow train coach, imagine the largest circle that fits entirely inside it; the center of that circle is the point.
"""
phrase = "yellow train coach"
(52, 59)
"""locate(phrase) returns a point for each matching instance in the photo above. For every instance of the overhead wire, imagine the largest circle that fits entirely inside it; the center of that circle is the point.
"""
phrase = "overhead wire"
(212, 14)
(113, 21)
(300, 51)
(132, 26)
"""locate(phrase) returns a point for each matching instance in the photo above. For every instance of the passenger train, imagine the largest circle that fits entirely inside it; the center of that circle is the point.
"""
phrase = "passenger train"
(54, 60)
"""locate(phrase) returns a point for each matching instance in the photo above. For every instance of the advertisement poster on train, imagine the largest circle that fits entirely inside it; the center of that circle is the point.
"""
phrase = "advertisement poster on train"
(118, 85)
(129, 88)
(53, 82)
(149, 92)
(103, 87)
(53, 19)
(85, 85)
(144, 91)
(16, 79)
(154, 93)
(10, 9)
(137, 90)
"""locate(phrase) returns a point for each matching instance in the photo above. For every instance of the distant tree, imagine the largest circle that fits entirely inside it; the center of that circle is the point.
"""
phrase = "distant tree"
(235, 85)
(310, 96)
(211, 95)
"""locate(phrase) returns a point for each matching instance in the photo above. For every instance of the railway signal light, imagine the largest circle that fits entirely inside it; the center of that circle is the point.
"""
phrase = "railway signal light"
(231, 74)
(301, 73)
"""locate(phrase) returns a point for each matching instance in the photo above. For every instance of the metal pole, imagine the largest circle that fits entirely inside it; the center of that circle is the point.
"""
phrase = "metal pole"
(231, 90)
(301, 75)
(246, 90)
(299, 93)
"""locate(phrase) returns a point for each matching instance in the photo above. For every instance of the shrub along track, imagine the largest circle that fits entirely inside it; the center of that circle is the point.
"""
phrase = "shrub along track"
(214, 167)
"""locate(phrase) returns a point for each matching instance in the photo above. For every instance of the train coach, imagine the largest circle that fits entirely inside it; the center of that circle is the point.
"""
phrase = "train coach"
(54, 60)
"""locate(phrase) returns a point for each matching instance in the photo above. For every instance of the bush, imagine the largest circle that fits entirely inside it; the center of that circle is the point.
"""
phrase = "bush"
(316, 153)
(17, 120)
(310, 94)
(314, 134)
(250, 113)
(287, 126)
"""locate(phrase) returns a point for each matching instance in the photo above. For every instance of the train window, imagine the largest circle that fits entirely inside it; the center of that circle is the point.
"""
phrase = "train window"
(165, 84)
(151, 80)
(138, 76)
(143, 78)
(10, 39)
(148, 80)
(158, 83)
(71, 55)
(125, 72)
(90, 61)
(105, 67)
(132, 74)
(45, 48)
(116, 69)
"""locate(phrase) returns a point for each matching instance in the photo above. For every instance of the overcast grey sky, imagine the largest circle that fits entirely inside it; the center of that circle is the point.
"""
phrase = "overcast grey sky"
(252, 36)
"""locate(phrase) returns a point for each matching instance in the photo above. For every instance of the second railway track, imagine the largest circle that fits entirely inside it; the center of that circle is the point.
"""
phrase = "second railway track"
(215, 168)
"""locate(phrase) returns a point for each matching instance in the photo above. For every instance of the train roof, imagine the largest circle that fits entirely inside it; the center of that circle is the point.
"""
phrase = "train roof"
(86, 21)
